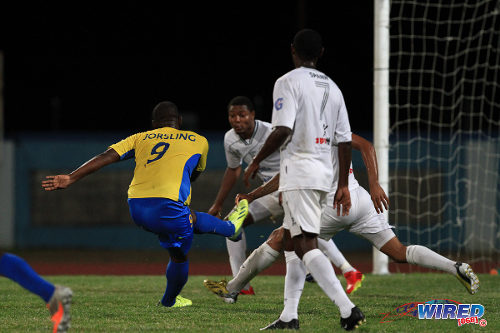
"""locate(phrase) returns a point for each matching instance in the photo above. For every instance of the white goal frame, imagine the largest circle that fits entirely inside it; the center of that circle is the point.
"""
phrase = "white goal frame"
(381, 109)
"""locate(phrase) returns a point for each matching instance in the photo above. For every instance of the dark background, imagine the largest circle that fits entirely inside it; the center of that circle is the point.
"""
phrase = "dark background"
(103, 66)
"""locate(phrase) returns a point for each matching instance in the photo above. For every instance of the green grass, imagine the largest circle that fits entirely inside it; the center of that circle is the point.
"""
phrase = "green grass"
(128, 304)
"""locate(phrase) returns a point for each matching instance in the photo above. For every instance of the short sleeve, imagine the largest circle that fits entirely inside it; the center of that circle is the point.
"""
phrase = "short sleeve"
(202, 164)
(285, 105)
(126, 147)
(233, 160)
(343, 129)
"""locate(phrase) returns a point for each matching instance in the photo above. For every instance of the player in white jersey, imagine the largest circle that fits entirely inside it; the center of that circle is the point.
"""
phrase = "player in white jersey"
(309, 114)
(365, 220)
(241, 144)
(267, 253)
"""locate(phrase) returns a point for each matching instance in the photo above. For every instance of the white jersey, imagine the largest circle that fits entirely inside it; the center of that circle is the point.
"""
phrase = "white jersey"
(239, 150)
(310, 103)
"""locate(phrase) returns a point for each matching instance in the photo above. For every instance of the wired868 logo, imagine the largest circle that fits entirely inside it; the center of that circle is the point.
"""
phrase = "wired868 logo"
(439, 309)
(463, 313)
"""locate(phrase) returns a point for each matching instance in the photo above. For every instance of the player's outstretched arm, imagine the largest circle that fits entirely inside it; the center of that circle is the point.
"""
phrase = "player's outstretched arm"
(231, 175)
(59, 182)
(273, 142)
(377, 193)
(268, 187)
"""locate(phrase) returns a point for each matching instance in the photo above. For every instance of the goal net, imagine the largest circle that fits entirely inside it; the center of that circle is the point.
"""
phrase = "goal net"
(444, 143)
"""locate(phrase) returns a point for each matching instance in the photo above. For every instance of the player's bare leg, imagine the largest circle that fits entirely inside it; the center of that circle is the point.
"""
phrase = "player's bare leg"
(422, 256)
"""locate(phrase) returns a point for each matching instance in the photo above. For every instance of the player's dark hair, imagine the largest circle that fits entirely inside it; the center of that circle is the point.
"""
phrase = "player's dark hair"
(308, 44)
(164, 112)
(241, 100)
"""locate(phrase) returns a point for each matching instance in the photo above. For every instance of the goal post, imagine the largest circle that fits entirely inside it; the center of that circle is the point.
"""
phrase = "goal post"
(381, 110)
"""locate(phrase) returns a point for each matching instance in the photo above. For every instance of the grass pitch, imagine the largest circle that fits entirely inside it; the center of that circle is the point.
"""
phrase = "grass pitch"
(128, 304)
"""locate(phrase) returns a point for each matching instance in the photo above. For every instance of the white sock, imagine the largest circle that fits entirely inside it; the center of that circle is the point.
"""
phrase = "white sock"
(323, 273)
(330, 249)
(260, 259)
(237, 254)
(294, 284)
(420, 255)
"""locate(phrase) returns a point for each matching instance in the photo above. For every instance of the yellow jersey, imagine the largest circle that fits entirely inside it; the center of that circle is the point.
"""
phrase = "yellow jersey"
(165, 159)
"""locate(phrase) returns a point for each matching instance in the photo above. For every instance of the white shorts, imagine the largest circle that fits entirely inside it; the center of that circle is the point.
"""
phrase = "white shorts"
(363, 220)
(303, 210)
(267, 206)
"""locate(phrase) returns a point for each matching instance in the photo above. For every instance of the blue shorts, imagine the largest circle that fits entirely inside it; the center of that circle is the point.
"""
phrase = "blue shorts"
(170, 220)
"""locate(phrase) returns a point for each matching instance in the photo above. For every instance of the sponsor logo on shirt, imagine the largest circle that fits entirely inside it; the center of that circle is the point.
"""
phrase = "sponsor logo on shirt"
(323, 141)
(318, 76)
(278, 104)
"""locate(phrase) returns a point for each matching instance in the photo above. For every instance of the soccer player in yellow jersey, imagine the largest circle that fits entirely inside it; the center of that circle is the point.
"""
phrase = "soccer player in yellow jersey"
(167, 160)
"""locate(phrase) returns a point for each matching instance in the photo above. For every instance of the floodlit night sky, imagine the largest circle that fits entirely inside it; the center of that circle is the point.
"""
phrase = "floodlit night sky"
(73, 66)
